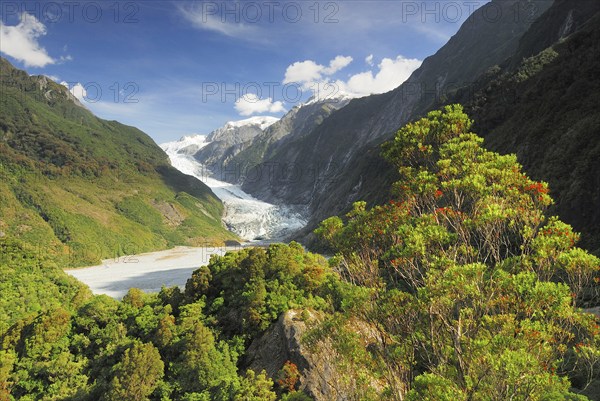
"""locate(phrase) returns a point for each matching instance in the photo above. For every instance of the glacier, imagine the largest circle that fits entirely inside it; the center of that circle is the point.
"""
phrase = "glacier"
(251, 219)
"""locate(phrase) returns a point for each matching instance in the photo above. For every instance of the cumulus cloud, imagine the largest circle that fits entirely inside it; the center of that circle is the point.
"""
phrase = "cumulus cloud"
(21, 41)
(389, 74)
(303, 71)
(337, 64)
(77, 90)
(308, 71)
(392, 73)
(251, 104)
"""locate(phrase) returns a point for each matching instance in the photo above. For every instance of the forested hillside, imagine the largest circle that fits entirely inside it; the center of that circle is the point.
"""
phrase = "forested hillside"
(80, 188)
(172, 345)
(471, 291)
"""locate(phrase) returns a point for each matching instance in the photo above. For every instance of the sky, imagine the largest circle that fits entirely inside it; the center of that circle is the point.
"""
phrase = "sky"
(174, 68)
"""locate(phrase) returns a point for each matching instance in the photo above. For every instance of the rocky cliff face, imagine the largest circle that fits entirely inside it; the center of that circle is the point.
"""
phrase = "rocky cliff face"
(283, 341)
(560, 21)
(338, 161)
(279, 344)
(226, 142)
(546, 111)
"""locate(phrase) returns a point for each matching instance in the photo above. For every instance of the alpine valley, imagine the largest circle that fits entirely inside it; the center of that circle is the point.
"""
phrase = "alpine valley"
(439, 241)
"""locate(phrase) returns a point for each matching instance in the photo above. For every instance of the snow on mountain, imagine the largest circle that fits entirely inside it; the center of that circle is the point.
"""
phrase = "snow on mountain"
(246, 216)
(241, 131)
(189, 144)
(262, 122)
(338, 96)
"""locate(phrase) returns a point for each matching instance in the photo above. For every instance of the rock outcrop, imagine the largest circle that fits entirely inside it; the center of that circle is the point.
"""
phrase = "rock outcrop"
(282, 342)
(320, 376)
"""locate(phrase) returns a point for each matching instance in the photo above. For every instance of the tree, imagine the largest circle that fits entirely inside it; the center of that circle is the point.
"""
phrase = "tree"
(256, 388)
(7, 361)
(203, 366)
(288, 376)
(198, 284)
(485, 283)
(137, 375)
(250, 289)
(45, 366)
(296, 396)
(134, 298)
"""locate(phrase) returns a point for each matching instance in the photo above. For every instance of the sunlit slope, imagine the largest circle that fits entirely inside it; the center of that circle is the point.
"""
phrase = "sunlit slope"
(81, 188)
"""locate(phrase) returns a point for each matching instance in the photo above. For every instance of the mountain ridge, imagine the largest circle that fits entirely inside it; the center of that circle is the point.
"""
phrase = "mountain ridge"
(83, 188)
(234, 158)
(559, 85)
(340, 157)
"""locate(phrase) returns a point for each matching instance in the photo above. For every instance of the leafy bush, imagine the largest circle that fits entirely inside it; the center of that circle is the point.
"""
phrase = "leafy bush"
(246, 291)
(472, 288)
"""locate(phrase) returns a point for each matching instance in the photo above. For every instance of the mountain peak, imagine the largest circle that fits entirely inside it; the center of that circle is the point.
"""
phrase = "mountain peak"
(242, 130)
(41, 86)
(188, 144)
(262, 122)
(338, 96)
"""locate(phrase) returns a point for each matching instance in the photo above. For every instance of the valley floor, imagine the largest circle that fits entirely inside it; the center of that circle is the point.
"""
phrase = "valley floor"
(246, 216)
(148, 271)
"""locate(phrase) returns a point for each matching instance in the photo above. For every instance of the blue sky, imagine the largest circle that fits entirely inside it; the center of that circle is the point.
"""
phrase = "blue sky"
(181, 67)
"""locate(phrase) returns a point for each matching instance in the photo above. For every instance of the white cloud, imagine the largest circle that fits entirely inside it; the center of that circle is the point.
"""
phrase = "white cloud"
(391, 73)
(251, 104)
(77, 90)
(21, 42)
(337, 64)
(308, 72)
(303, 71)
(204, 19)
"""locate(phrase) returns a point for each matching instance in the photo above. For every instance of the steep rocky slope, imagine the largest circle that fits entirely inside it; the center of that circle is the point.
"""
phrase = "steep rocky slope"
(546, 111)
(531, 85)
(286, 341)
(226, 142)
(237, 149)
(338, 162)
